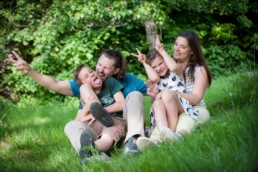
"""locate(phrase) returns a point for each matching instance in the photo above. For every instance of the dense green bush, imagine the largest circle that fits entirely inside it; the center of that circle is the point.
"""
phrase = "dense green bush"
(55, 36)
(226, 60)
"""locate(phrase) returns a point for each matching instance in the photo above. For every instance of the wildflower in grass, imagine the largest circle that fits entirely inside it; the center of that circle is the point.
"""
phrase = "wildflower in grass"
(250, 74)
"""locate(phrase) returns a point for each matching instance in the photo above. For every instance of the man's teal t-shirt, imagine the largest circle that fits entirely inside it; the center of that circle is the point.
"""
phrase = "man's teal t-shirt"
(132, 83)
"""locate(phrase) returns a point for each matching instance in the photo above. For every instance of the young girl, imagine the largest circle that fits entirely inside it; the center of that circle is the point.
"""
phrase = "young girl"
(160, 73)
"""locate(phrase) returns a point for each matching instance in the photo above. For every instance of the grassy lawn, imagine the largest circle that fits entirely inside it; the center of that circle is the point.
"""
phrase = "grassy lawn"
(32, 136)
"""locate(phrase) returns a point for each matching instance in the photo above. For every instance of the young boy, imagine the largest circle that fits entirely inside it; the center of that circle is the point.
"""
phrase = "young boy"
(98, 97)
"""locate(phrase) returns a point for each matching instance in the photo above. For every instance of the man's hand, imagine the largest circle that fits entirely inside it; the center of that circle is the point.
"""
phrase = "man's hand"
(88, 118)
(84, 116)
(20, 64)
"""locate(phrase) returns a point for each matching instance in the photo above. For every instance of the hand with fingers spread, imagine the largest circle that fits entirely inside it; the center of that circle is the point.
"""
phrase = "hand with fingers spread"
(88, 100)
(89, 118)
(141, 57)
(152, 90)
(84, 116)
(20, 64)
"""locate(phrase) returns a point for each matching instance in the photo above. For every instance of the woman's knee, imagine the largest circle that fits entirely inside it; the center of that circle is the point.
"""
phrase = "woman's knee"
(185, 124)
(204, 115)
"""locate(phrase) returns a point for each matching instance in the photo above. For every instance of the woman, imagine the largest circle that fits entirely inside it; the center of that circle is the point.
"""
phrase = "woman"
(190, 65)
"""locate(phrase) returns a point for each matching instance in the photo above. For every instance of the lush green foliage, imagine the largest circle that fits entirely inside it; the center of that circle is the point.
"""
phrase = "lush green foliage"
(33, 139)
(56, 36)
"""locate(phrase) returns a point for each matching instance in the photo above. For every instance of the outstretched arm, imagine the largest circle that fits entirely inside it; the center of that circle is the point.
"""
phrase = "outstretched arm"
(152, 75)
(61, 87)
(200, 86)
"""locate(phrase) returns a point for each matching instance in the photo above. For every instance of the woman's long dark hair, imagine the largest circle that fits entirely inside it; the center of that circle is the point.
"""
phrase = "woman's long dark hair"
(197, 58)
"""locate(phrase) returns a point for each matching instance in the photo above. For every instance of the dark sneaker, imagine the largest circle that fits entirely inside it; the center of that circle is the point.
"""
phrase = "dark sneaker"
(87, 144)
(96, 157)
(101, 114)
(131, 147)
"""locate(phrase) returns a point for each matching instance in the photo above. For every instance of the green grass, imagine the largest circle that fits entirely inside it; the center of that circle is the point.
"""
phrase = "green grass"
(32, 136)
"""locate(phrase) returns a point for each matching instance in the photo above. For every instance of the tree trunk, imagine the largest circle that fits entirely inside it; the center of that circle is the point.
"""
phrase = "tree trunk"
(151, 33)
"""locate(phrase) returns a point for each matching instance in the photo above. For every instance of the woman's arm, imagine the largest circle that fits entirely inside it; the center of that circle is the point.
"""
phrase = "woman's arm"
(199, 88)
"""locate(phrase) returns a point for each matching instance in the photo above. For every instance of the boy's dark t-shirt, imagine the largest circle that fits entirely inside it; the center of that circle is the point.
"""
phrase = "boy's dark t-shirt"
(106, 96)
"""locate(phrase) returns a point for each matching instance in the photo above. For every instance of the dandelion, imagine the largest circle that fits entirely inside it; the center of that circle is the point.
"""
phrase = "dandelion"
(250, 74)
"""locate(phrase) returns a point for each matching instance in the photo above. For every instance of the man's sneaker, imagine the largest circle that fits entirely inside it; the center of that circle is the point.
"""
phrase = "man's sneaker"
(167, 134)
(96, 157)
(144, 142)
(101, 114)
(87, 144)
(131, 147)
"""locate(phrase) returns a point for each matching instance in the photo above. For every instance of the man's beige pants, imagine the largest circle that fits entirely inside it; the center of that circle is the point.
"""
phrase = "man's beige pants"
(133, 111)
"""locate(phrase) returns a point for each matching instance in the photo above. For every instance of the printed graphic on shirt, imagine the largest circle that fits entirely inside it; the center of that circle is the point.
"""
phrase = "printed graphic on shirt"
(107, 100)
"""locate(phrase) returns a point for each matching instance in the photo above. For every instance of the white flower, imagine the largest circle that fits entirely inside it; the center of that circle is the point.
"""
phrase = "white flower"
(250, 74)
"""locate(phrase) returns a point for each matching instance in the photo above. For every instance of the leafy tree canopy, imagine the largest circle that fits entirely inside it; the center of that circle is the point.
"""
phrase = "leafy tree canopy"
(56, 36)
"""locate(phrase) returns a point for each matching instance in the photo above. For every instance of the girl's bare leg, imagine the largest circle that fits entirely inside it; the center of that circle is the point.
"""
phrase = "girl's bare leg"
(173, 108)
(160, 112)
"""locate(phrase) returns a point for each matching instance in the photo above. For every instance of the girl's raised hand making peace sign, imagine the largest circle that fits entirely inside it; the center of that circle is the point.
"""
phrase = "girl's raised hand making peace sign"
(141, 57)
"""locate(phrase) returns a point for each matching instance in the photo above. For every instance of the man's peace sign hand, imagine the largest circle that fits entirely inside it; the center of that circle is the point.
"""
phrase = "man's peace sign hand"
(20, 64)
